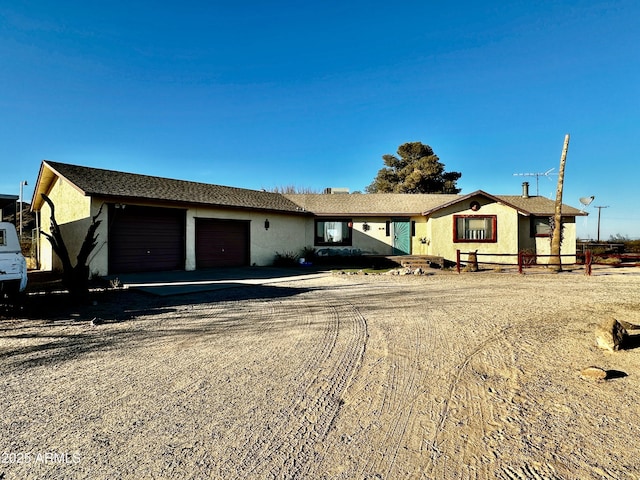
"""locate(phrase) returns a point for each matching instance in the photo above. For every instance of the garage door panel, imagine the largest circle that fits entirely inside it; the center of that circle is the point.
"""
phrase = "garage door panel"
(146, 239)
(221, 243)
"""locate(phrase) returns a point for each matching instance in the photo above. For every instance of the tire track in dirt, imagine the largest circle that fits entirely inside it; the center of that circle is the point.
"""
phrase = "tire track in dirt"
(176, 340)
(478, 427)
(121, 418)
(398, 405)
(456, 375)
(483, 422)
(198, 385)
(465, 421)
(287, 445)
(264, 320)
(378, 429)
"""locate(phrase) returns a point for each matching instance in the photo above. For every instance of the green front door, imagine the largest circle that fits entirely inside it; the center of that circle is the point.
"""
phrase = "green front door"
(401, 237)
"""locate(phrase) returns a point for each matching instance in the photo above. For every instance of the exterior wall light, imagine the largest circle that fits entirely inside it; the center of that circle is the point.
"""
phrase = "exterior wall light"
(266, 224)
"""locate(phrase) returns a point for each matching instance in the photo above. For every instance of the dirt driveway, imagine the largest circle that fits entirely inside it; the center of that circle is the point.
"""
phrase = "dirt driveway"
(443, 376)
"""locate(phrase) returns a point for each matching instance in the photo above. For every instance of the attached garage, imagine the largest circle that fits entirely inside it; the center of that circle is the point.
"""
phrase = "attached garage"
(151, 223)
(221, 243)
(146, 239)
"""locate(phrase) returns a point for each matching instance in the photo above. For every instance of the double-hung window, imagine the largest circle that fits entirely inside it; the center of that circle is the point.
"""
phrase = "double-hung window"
(335, 231)
(474, 228)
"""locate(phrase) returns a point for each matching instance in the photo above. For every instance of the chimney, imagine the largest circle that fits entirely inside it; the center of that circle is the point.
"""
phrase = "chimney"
(525, 189)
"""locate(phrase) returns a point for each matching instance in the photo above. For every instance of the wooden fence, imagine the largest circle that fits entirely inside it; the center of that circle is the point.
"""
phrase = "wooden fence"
(524, 260)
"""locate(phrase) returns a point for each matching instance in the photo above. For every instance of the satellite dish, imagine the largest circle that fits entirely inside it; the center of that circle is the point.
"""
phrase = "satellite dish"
(586, 201)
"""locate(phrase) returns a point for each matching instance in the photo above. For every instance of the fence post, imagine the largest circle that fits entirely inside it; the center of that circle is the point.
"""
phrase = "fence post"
(587, 262)
(458, 260)
(520, 261)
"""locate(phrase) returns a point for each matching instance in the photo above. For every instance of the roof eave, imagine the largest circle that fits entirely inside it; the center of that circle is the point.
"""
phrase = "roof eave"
(427, 213)
(178, 203)
(366, 214)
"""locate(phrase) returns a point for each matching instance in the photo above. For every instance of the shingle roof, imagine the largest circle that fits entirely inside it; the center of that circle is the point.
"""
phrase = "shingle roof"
(129, 186)
(371, 204)
(121, 185)
(538, 206)
(390, 204)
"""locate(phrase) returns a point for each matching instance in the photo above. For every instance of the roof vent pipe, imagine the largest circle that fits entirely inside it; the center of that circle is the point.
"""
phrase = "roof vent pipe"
(525, 189)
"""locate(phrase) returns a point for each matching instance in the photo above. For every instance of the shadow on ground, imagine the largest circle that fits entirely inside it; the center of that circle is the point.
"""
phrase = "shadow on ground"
(50, 330)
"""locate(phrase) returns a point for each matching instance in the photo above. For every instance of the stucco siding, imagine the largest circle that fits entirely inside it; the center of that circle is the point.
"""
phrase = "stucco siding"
(99, 257)
(373, 239)
(72, 212)
(369, 237)
(420, 241)
(442, 240)
(567, 248)
(286, 233)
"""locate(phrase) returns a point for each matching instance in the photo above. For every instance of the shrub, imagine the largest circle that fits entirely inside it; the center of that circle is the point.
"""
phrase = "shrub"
(606, 260)
(308, 253)
(285, 259)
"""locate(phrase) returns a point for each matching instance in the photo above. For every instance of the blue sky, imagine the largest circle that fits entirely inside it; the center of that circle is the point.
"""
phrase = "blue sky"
(312, 94)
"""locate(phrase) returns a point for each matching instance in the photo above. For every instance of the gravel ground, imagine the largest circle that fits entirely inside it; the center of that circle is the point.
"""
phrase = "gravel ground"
(442, 376)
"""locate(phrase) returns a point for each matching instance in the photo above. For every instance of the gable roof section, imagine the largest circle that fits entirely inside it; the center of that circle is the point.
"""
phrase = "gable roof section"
(539, 206)
(130, 187)
(369, 204)
(529, 206)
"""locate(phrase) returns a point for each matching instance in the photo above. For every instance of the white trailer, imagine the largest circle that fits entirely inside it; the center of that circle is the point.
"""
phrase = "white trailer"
(13, 266)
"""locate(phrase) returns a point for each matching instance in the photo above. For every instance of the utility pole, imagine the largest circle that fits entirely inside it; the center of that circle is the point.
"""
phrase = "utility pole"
(599, 210)
(22, 184)
(555, 261)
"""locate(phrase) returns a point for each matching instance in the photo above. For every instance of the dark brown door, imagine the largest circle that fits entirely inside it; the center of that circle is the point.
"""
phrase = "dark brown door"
(221, 243)
(146, 239)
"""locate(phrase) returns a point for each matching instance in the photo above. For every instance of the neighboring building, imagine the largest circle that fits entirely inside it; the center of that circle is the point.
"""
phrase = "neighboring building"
(6, 201)
(153, 224)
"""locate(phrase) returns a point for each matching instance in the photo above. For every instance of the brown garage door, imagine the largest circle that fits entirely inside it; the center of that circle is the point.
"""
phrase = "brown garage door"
(146, 239)
(221, 243)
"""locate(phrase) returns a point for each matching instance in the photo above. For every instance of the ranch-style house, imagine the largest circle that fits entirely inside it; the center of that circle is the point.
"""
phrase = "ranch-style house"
(157, 224)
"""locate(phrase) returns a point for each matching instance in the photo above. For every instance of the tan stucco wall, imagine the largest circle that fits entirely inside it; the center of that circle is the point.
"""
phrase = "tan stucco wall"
(99, 257)
(420, 242)
(286, 233)
(542, 245)
(441, 230)
(513, 234)
(373, 241)
(72, 212)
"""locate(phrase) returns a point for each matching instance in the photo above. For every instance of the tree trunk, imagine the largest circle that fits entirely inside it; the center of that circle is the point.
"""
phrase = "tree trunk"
(555, 261)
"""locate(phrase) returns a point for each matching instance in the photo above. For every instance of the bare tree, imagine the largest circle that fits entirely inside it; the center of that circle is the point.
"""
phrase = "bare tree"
(292, 189)
(75, 278)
